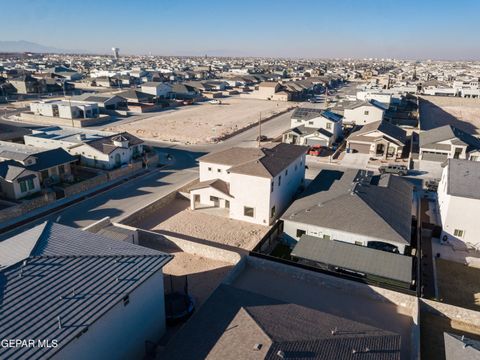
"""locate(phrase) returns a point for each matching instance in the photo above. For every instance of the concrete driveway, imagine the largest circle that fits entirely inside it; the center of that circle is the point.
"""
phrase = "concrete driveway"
(355, 160)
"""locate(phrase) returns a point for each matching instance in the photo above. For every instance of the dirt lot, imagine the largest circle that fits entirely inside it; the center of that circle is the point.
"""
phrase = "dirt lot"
(206, 226)
(202, 122)
(458, 284)
(462, 113)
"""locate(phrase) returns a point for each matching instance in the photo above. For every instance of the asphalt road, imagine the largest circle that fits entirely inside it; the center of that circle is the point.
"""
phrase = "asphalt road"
(181, 169)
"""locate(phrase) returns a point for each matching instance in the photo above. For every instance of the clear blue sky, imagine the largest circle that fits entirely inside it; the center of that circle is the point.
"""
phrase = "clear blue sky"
(418, 29)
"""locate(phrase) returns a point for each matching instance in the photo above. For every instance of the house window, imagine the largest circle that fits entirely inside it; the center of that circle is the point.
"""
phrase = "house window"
(329, 126)
(295, 167)
(209, 169)
(272, 185)
(310, 123)
(300, 233)
(326, 237)
(365, 112)
(248, 211)
(61, 169)
(458, 233)
(30, 184)
(126, 300)
(219, 170)
(358, 243)
(23, 186)
(280, 180)
(273, 212)
(286, 172)
(44, 174)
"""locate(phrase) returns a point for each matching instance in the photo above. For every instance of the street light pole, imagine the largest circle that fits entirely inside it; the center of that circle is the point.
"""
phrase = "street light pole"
(259, 129)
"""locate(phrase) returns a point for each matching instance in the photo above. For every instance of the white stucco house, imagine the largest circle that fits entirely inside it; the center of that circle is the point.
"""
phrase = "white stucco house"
(98, 149)
(310, 126)
(65, 109)
(254, 184)
(364, 112)
(158, 89)
(459, 202)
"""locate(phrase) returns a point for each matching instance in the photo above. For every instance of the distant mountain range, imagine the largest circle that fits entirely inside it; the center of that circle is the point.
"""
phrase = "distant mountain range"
(27, 46)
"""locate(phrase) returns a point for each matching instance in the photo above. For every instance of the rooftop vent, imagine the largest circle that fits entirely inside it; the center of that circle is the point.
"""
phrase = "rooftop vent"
(281, 354)
(257, 347)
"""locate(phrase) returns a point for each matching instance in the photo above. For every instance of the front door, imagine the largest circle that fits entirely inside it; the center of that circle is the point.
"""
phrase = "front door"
(227, 204)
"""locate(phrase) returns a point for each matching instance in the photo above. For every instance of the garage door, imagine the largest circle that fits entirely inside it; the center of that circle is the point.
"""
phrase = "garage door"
(316, 141)
(361, 148)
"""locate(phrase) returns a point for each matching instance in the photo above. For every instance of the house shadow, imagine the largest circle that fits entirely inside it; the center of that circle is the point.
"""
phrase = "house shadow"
(433, 116)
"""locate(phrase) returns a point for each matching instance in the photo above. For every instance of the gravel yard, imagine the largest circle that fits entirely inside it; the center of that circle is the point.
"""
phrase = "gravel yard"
(203, 122)
(176, 219)
(462, 113)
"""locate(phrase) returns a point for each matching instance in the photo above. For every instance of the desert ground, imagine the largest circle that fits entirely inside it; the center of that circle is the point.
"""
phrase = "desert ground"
(463, 113)
(202, 122)
(206, 226)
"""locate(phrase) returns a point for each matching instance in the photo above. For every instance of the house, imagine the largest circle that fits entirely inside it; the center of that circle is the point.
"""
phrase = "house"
(271, 310)
(25, 84)
(379, 139)
(183, 91)
(158, 89)
(78, 295)
(98, 149)
(311, 126)
(270, 90)
(353, 206)
(253, 184)
(459, 202)
(65, 109)
(364, 112)
(16, 181)
(448, 142)
(50, 166)
(103, 101)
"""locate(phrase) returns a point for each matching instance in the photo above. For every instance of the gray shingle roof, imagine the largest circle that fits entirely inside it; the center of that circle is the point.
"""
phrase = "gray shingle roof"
(448, 132)
(69, 276)
(233, 321)
(350, 201)
(392, 131)
(312, 113)
(354, 257)
(267, 161)
(464, 178)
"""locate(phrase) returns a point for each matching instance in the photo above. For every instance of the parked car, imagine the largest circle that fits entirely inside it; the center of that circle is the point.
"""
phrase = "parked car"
(215, 102)
(393, 169)
(432, 185)
(315, 150)
(261, 138)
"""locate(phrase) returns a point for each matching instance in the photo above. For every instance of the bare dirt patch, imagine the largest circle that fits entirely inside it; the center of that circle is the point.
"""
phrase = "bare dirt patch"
(463, 113)
(176, 219)
(202, 122)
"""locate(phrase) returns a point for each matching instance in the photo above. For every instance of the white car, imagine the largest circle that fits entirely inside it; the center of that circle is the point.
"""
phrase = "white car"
(215, 102)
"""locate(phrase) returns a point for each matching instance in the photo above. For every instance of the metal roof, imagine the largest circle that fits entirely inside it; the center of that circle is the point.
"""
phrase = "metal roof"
(64, 281)
(354, 257)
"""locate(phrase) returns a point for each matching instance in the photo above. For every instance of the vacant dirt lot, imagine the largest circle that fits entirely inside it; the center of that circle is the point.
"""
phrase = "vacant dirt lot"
(208, 226)
(458, 284)
(462, 113)
(203, 122)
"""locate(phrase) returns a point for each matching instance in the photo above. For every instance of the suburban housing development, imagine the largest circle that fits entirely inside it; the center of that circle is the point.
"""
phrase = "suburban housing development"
(182, 181)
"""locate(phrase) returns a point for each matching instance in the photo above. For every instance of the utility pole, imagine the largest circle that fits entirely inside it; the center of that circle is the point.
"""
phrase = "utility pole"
(259, 129)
